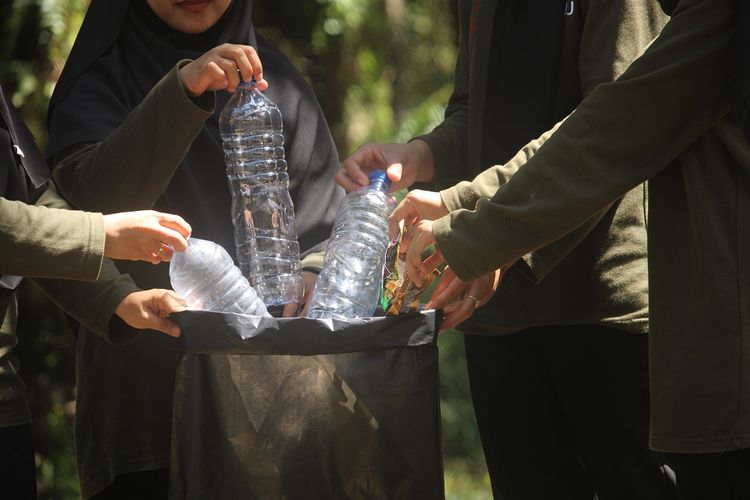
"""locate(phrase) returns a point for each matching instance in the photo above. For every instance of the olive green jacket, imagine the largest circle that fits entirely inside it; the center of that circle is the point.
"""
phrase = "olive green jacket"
(597, 275)
(48, 241)
(665, 119)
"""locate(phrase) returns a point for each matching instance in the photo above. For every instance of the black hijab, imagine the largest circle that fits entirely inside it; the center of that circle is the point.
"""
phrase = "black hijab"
(22, 168)
(124, 49)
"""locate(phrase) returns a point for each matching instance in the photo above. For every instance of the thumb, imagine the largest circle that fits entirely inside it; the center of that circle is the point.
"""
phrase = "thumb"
(164, 325)
(289, 310)
(395, 171)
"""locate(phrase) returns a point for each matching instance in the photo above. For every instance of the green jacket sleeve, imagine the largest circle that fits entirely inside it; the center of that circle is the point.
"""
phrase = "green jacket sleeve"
(39, 241)
(613, 35)
(93, 304)
(83, 172)
(623, 133)
(49, 240)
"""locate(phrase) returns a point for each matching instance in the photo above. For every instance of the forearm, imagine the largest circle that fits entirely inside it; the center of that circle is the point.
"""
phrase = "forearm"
(50, 242)
(622, 134)
(131, 168)
(466, 194)
(93, 304)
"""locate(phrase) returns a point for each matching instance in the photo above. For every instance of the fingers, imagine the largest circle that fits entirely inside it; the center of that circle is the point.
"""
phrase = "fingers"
(169, 302)
(456, 313)
(162, 254)
(447, 290)
(242, 62)
(431, 263)
(165, 303)
(252, 56)
(165, 326)
(289, 310)
(231, 74)
(422, 238)
(169, 237)
(222, 68)
(395, 172)
(405, 211)
(305, 309)
(212, 77)
(171, 233)
(148, 309)
(353, 173)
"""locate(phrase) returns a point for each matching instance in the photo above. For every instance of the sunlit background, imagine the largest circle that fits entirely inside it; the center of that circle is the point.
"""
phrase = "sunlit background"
(382, 70)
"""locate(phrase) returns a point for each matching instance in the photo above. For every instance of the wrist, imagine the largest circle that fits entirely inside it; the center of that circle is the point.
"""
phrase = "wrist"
(422, 157)
(184, 75)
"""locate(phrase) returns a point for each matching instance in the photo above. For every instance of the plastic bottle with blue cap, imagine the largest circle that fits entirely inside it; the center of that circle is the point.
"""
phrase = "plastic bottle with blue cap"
(350, 284)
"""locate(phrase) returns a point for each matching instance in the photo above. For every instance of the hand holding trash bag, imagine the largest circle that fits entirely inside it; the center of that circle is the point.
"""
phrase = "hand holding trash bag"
(150, 309)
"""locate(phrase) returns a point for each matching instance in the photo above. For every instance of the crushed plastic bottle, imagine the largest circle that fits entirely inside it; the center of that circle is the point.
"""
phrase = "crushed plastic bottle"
(262, 210)
(351, 281)
(205, 276)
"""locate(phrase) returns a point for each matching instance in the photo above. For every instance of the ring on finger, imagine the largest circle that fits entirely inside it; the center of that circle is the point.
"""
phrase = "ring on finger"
(476, 300)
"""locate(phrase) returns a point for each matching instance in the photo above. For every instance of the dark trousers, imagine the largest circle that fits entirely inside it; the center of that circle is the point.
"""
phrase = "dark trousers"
(712, 476)
(144, 485)
(17, 466)
(563, 413)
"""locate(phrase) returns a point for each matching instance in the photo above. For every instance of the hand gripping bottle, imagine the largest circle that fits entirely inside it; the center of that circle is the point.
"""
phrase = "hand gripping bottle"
(262, 210)
(351, 281)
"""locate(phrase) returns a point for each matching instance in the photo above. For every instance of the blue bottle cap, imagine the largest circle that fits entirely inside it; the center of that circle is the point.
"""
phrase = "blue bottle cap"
(379, 176)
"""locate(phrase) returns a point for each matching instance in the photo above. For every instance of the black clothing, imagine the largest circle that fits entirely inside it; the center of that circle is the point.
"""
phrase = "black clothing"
(144, 485)
(17, 465)
(22, 168)
(526, 54)
(562, 409)
(712, 476)
(107, 95)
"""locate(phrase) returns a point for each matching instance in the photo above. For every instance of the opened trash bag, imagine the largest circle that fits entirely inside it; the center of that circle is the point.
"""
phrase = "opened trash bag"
(297, 408)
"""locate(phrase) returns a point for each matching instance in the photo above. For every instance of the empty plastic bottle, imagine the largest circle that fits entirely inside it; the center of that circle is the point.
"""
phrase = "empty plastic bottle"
(206, 277)
(262, 210)
(351, 281)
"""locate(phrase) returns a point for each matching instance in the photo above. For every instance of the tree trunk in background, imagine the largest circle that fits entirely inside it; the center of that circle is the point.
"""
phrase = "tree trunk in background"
(395, 11)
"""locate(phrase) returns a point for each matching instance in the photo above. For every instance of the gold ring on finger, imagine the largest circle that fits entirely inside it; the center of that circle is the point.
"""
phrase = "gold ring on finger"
(476, 300)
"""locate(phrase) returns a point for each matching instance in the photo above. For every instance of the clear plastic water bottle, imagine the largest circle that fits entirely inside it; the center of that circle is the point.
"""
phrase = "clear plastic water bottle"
(262, 210)
(206, 277)
(351, 281)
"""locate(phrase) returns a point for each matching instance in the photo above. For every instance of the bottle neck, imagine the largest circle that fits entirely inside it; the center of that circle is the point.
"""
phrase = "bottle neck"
(379, 185)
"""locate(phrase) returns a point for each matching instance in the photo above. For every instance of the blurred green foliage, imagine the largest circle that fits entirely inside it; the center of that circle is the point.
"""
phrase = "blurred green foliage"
(382, 71)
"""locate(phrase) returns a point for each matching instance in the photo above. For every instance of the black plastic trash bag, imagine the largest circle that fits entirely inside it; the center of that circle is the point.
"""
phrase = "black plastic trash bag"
(297, 408)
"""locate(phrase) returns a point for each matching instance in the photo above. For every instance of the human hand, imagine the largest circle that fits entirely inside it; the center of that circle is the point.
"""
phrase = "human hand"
(417, 205)
(144, 235)
(220, 69)
(291, 310)
(405, 164)
(149, 309)
(420, 238)
(459, 299)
